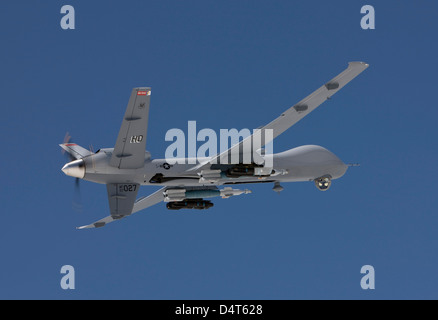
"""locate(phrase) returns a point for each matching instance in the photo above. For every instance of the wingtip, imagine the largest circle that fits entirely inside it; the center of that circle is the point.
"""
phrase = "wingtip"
(361, 63)
(84, 227)
(98, 224)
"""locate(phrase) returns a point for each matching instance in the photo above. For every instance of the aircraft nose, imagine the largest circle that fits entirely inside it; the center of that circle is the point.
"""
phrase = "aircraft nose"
(75, 169)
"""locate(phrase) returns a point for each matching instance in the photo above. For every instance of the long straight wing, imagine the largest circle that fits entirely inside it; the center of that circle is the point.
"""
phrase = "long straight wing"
(149, 201)
(139, 204)
(294, 114)
(129, 151)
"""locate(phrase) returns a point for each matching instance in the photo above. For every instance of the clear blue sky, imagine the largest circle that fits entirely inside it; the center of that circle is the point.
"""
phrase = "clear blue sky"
(225, 64)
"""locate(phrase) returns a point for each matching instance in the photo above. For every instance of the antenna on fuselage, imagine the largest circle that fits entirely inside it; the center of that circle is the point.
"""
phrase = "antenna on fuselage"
(353, 164)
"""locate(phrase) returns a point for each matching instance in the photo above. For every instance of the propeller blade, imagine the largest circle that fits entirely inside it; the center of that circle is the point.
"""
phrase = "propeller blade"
(77, 200)
(67, 139)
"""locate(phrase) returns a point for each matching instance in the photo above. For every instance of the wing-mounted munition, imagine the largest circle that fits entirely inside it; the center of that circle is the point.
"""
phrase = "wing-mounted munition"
(193, 198)
(127, 166)
(180, 194)
(198, 204)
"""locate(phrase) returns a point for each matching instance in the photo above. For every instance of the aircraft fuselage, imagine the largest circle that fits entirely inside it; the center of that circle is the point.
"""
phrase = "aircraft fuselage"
(305, 163)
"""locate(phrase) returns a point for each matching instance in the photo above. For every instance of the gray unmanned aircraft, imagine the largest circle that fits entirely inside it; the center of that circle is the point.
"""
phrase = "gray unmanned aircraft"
(128, 165)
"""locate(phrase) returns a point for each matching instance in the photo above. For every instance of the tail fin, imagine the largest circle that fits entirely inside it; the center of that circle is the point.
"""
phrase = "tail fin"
(75, 151)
